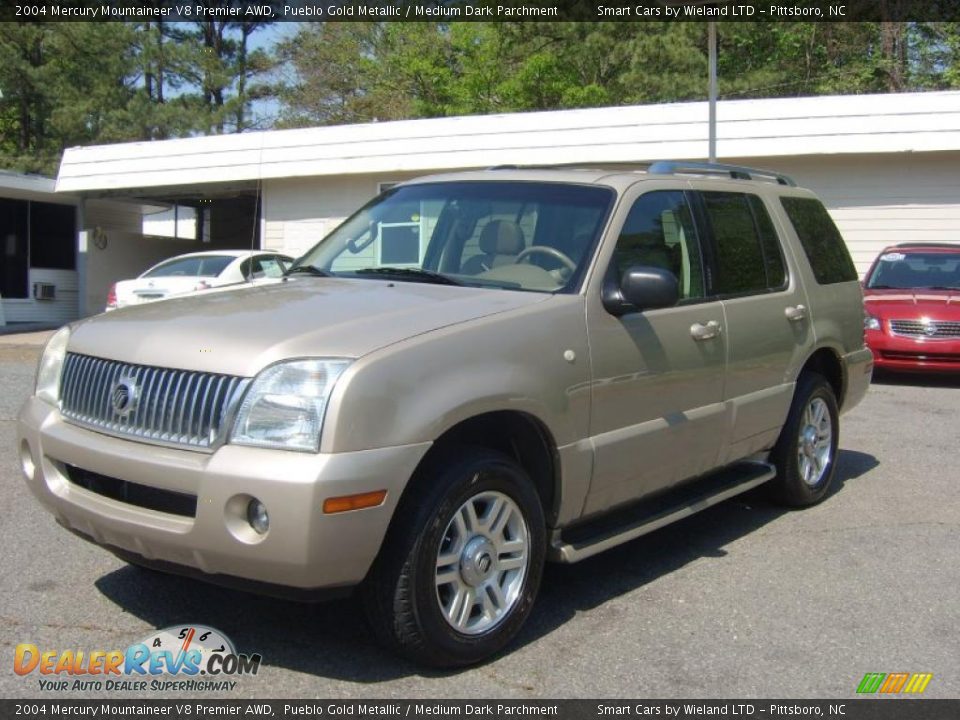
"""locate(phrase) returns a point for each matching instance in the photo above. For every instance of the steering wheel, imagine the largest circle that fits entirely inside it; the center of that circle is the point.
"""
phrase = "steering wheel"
(546, 250)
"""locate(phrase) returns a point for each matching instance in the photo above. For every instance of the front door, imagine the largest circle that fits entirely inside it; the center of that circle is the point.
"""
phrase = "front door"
(657, 396)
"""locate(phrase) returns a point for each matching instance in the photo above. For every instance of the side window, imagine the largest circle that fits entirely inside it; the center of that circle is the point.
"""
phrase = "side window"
(270, 266)
(659, 232)
(821, 241)
(769, 244)
(748, 254)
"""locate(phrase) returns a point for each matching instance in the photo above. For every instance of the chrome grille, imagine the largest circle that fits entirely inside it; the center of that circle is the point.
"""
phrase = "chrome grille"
(171, 407)
(930, 329)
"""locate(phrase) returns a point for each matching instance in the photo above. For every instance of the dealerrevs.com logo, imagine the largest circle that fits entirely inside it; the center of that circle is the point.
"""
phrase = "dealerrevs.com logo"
(187, 658)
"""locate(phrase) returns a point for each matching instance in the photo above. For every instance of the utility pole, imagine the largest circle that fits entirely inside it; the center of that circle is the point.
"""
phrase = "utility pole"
(712, 122)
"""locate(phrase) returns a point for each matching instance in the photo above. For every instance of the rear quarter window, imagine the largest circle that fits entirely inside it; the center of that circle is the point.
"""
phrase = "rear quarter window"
(821, 241)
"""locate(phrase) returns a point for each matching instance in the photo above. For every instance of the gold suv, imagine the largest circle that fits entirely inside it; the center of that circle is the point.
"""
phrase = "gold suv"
(474, 374)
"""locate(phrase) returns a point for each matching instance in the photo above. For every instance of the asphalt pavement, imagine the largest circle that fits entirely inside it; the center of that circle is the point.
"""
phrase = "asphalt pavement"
(744, 600)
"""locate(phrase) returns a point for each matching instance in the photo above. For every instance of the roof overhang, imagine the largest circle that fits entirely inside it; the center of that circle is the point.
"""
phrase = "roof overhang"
(850, 124)
(20, 186)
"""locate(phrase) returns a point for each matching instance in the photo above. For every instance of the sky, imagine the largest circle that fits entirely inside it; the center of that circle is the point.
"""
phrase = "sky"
(269, 110)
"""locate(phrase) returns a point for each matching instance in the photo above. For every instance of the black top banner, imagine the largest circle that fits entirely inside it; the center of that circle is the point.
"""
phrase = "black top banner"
(200, 709)
(480, 10)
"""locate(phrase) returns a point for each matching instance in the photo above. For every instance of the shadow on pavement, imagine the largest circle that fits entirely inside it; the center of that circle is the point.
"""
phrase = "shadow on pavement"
(331, 640)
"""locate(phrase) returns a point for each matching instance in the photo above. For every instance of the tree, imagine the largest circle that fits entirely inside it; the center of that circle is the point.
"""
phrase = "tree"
(63, 84)
(223, 72)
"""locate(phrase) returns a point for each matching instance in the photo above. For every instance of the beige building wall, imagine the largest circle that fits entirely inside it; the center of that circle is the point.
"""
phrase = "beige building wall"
(299, 212)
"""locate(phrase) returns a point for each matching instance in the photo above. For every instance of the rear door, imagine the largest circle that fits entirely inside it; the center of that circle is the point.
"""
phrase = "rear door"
(768, 326)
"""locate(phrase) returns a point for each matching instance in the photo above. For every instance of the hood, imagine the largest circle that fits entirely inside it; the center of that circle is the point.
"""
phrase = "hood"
(933, 304)
(240, 331)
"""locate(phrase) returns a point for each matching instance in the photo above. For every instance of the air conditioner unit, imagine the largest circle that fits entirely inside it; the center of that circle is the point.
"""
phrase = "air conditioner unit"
(44, 291)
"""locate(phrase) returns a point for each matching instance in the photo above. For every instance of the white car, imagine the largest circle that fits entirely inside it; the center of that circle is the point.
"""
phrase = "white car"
(194, 272)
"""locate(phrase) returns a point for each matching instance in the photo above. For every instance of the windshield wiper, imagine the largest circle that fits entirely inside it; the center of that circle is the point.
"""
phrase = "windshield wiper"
(413, 273)
(308, 270)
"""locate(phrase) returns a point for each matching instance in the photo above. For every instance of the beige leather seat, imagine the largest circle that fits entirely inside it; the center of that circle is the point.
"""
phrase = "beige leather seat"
(500, 242)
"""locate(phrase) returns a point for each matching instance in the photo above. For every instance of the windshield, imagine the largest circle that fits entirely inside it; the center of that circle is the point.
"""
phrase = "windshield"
(203, 266)
(515, 235)
(905, 271)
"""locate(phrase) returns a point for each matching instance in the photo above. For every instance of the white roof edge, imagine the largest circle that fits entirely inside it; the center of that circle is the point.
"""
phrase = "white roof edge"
(746, 128)
(21, 181)
(37, 188)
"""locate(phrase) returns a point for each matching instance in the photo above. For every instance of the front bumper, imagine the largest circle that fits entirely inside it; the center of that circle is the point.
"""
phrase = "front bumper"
(303, 549)
(904, 353)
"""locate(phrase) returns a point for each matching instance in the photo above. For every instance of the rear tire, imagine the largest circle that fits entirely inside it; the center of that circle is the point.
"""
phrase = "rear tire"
(460, 567)
(806, 452)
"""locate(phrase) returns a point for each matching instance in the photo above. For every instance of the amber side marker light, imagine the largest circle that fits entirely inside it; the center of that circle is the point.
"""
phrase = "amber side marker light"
(346, 503)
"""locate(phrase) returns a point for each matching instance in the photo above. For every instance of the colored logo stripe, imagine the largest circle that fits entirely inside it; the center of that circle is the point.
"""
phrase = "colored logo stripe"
(871, 682)
(918, 682)
(894, 683)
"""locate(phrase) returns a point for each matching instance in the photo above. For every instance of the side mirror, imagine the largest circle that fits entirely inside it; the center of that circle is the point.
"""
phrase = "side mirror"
(642, 287)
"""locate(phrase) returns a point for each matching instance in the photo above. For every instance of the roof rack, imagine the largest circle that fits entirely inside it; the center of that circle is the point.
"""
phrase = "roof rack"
(600, 165)
(669, 167)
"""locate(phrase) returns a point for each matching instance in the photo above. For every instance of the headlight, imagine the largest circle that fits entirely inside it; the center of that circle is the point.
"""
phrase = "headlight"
(51, 363)
(871, 323)
(285, 404)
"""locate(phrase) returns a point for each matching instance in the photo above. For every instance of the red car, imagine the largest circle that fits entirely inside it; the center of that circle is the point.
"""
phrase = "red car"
(912, 296)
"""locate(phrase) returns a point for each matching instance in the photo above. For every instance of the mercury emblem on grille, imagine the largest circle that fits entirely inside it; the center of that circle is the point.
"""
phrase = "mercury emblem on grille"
(123, 396)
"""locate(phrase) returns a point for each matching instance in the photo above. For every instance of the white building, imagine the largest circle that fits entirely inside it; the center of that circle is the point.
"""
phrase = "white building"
(887, 167)
(38, 268)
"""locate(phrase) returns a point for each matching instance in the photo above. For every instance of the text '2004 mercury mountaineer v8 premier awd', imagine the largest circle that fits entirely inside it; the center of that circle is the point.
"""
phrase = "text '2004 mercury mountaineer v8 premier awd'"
(473, 374)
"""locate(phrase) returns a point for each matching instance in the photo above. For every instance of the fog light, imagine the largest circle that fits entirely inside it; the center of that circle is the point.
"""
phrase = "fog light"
(257, 516)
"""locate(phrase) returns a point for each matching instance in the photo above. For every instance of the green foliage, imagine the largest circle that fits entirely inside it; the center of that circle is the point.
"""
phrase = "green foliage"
(69, 84)
(81, 83)
(346, 73)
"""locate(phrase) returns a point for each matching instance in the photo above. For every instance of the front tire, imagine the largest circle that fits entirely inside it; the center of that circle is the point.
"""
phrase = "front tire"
(806, 452)
(460, 567)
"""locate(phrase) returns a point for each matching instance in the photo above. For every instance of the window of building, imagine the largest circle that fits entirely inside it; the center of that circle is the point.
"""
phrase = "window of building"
(53, 236)
(178, 221)
(14, 248)
(34, 234)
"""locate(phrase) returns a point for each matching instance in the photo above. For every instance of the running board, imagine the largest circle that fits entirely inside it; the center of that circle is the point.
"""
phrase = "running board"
(582, 541)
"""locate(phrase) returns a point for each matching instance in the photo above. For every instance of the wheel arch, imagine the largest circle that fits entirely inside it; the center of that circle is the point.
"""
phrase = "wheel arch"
(826, 362)
(518, 435)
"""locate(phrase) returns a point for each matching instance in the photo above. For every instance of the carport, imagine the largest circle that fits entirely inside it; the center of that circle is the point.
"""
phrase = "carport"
(124, 231)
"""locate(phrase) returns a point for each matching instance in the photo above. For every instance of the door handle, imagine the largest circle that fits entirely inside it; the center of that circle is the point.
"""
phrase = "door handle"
(795, 314)
(699, 331)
